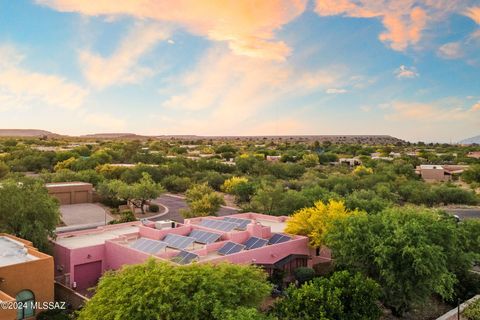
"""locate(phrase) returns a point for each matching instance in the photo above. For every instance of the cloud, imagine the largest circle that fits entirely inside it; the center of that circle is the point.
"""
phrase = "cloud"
(476, 106)
(335, 91)
(122, 66)
(405, 21)
(406, 72)
(22, 88)
(366, 108)
(230, 91)
(431, 112)
(247, 26)
(451, 50)
(473, 13)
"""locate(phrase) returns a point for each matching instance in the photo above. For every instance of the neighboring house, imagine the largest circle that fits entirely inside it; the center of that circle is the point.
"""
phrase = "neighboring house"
(274, 158)
(71, 192)
(82, 257)
(474, 154)
(350, 161)
(434, 173)
(26, 275)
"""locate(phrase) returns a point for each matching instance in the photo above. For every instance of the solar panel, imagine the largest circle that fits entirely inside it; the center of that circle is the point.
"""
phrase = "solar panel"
(218, 224)
(255, 242)
(148, 245)
(184, 257)
(278, 238)
(241, 223)
(177, 241)
(231, 247)
(206, 237)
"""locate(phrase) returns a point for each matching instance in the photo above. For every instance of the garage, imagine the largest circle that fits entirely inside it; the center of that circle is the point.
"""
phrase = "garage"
(87, 274)
(71, 192)
(81, 197)
(63, 197)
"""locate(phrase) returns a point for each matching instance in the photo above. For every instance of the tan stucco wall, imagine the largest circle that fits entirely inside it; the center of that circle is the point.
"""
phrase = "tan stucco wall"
(35, 275)
(72, 190)
(434, 174)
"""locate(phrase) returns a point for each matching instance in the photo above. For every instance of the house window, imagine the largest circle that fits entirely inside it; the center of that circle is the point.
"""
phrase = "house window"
(26, 300)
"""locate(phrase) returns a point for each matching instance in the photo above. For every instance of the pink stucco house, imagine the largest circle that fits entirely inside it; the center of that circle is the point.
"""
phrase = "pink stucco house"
(81, 257)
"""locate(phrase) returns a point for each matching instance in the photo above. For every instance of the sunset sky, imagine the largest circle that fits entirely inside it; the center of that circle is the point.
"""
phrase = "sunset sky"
(406, 68)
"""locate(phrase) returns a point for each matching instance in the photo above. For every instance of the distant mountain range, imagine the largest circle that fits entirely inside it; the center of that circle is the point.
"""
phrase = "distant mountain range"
(471, 140)
(26, 133)
(363, 139)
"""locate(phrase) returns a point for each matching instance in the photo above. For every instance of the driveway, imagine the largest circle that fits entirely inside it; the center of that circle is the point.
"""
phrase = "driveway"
(175, 203)
(465, 213)
(83, 214)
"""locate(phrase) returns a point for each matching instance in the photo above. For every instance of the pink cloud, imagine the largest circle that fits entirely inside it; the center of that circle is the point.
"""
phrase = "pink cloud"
(121, 67)
(247, 26)
(451, 50)
(404, 20)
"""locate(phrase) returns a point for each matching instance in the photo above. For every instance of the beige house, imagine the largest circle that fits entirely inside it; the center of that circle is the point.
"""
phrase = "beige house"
(71, 192)
(434, 173)
(474, 154)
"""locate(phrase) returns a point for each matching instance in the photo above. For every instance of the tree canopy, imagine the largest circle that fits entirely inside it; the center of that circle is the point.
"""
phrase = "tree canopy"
(202, 201)
(342, 296)
(27, 211)
(411, 252)
(316, 221)
(158, 290)
(137, 193)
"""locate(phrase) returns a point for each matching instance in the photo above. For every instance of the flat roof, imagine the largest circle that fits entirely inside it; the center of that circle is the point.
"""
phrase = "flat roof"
(13, 252)
(96, 237)
(431, 166)
(275, 226)
(67, 184)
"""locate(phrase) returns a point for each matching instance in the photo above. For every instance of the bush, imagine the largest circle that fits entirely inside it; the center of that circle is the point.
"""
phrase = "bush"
(153, 207)
(304, 274)
(125, 216)
(472, 312)
(343, 296)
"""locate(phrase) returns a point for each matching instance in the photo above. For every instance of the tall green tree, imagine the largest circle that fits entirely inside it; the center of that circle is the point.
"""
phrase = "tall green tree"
(27, 211)
(158, 290)
(411, 252)
(343, 296)
(138, 193)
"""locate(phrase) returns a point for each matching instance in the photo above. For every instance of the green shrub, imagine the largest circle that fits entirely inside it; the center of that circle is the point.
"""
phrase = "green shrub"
(126, 216)
(472, 312)
(304, 274)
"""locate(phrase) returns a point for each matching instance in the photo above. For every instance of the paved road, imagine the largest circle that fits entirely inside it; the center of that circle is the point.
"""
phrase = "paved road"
(175, 203)
(465, 213)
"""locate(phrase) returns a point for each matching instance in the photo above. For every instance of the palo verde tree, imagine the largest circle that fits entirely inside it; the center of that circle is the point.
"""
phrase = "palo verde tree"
(159, 290)
(27, 211)
(316, 221)
(137, 193)
(202, 201)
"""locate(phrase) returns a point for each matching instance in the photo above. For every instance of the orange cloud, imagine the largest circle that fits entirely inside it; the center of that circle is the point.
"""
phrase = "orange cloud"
(247, 26)
(473, 13)
(430, 112)
(404, 20)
